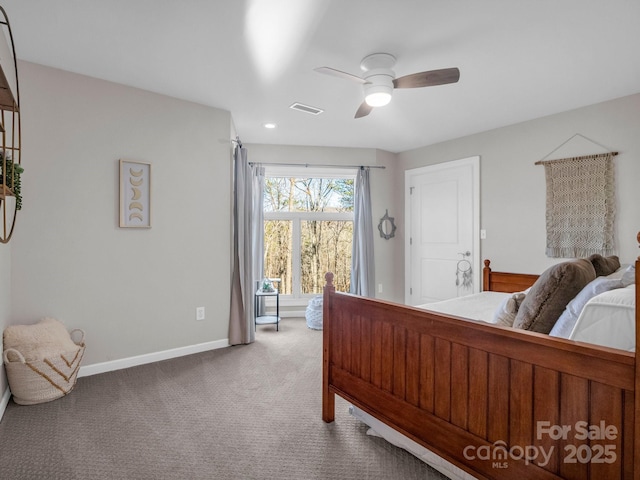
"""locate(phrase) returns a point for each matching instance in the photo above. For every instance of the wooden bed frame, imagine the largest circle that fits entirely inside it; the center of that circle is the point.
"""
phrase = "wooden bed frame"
(484, 397)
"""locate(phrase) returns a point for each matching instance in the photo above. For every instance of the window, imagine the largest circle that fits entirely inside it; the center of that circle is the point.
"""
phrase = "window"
(308, 229)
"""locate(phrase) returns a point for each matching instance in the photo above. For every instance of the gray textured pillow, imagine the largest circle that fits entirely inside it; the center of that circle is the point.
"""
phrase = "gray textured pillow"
(551, 293)
(604, 265)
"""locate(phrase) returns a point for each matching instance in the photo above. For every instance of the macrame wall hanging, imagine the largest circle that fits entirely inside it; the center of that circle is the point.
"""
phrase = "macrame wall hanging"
(580, 205)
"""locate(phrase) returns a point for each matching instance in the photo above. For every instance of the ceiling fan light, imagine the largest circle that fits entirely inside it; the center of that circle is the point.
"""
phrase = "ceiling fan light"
(379, 99)
(377, 95)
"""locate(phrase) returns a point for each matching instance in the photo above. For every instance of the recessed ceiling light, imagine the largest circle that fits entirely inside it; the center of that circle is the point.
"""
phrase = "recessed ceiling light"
(270, 125)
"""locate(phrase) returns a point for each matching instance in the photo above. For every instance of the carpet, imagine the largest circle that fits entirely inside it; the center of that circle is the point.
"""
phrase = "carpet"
(243, 412)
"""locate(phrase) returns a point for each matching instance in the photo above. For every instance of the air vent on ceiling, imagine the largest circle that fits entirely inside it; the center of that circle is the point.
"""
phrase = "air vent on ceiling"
(306, 108)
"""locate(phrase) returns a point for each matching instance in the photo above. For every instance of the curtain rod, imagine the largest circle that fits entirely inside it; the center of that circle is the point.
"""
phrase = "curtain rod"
(306, 165)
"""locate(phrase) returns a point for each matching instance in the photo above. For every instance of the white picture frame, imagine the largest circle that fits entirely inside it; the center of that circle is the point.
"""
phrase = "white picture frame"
(135, 194)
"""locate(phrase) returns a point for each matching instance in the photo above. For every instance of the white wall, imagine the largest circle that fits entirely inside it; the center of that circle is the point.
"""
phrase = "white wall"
(513, 188)
(133, 291)
(388, 267)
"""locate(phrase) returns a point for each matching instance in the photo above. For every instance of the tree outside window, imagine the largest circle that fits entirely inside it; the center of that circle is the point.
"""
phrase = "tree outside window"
(308, 231)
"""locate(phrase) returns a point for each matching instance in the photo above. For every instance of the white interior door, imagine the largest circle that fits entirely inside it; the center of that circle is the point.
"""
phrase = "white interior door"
(442, 212)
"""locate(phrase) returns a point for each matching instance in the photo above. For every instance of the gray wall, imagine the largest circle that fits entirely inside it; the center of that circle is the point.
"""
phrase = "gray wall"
(133, 291)
(513, 188)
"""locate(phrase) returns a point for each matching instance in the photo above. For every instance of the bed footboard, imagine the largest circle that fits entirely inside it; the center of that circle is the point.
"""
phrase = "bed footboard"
(496, 402)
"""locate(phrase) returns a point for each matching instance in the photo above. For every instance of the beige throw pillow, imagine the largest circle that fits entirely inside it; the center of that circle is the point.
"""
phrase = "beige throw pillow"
(508, 309)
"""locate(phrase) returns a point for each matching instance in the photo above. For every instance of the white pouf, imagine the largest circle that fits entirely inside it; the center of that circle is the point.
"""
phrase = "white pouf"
(41, 360)
(314, 313)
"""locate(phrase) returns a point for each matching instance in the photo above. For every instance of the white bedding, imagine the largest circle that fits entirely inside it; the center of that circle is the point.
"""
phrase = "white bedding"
(380, 429)
(478, 306)
(608, 319)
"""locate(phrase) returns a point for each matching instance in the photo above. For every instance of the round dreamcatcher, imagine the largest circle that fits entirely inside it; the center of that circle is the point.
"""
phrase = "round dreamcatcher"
(464, 272)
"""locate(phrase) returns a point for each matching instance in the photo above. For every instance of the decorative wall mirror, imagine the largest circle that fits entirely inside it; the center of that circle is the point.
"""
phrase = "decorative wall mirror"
(10, 168)
(387, 226)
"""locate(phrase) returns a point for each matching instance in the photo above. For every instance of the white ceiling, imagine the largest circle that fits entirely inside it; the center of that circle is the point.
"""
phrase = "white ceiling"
(518, 59)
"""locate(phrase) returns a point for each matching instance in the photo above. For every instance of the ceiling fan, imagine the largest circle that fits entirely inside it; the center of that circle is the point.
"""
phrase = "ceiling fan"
(379, 80)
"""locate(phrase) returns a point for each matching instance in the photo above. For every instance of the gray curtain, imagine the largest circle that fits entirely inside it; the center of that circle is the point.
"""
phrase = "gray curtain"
(362, 261)
(248, 218)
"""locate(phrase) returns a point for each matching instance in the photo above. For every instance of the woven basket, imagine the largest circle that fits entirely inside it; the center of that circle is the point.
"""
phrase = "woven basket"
(43, 380)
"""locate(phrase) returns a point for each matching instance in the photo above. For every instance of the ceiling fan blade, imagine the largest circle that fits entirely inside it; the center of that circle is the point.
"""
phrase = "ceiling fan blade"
(339, 73)
(428, 79)
(363, 110)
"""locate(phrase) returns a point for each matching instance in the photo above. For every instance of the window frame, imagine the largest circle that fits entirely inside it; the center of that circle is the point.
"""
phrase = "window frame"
(297, 217)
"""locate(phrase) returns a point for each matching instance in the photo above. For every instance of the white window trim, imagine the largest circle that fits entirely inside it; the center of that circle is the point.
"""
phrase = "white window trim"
(308, 171)
(308, 215)
(296, 217)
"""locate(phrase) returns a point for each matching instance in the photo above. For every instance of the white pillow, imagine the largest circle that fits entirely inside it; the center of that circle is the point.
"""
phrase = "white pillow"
(618, 273)
(569, 317)
(508, 309)
(629, 276)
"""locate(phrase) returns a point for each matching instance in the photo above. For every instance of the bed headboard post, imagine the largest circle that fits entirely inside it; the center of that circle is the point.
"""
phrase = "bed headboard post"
(328, 397)
(636, 433)
(486, 276)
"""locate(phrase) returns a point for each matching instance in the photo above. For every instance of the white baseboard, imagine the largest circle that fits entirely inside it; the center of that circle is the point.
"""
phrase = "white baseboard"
(4, 401)
(112, 365)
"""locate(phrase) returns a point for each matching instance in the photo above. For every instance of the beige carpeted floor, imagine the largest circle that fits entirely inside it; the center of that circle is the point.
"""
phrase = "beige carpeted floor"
(245, 412)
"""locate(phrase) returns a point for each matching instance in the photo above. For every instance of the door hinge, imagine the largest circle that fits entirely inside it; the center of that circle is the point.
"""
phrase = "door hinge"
(410, 291)
(410, 240)
(411, 190)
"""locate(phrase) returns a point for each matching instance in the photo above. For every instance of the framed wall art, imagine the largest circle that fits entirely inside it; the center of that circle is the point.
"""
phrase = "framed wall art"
(135, 194)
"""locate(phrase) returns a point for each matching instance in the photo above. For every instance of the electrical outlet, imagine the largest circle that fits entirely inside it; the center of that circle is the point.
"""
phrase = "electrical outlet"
(200, 313)
(483, 234)
(379, 288)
